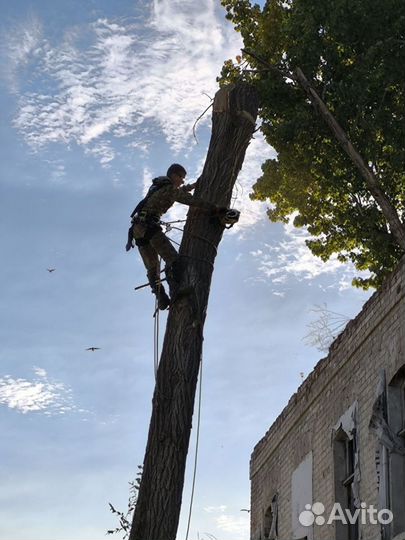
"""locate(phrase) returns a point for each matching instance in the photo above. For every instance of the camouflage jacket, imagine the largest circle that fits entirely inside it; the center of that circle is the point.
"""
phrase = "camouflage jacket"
(163, 194)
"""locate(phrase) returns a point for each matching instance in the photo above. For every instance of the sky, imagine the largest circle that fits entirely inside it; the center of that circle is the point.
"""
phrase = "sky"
(98, 97)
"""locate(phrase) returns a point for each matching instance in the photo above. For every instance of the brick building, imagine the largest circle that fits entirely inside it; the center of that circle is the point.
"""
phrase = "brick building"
(340, 441)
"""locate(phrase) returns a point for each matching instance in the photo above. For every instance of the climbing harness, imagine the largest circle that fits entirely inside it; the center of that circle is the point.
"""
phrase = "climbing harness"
(227, 220)
(145, 218)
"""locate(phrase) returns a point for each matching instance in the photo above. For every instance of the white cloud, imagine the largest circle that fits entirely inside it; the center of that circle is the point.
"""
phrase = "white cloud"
(251, 211)
(40, 372)
(103, 151)
(291, 257)
(36, 395)
(22, 44)
(146, 180)
(57, 170)
(237, 525)
(129, 79)
(131, 82)
(215, 509)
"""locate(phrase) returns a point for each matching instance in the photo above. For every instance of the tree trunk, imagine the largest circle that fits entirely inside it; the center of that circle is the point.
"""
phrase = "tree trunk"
(159, 500)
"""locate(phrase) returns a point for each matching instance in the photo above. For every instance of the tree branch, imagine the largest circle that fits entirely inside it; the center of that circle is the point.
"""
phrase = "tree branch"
(396, 226)
(387, 208)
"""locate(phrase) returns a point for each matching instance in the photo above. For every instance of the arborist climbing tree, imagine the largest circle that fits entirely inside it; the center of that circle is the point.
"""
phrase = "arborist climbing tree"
(146, 231)
(158, 506)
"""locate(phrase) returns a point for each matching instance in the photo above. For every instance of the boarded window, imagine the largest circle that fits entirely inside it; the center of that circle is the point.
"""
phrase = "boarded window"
(301, 495)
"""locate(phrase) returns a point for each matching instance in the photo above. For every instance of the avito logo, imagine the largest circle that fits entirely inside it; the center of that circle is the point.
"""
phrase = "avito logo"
(313, 513)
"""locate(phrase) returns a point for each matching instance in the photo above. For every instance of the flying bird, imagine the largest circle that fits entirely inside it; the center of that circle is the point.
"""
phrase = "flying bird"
(93, 349)
(51, 270)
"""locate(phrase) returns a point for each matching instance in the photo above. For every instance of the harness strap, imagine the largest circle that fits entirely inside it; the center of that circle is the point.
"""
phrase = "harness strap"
(153, 188)
(144, 217)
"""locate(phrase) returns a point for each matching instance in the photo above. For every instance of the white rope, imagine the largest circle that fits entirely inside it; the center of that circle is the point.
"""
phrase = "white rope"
(196, 451)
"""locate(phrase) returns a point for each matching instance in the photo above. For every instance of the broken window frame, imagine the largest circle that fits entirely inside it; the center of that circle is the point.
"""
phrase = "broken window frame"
(345, 447)
(401, 432)
(347, 470)
(270, 531)
(395, 405)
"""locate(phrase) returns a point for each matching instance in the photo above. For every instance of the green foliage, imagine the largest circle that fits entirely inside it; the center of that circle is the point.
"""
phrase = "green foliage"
(354, 53)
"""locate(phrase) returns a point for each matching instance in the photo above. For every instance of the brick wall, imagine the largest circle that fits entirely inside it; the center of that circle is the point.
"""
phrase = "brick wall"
(374, 340)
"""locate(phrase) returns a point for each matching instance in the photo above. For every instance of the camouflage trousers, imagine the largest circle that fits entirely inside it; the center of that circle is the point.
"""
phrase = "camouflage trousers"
(152, 243)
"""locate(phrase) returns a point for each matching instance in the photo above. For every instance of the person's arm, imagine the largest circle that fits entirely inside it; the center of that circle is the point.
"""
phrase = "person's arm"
(190, 187)
(183, 197)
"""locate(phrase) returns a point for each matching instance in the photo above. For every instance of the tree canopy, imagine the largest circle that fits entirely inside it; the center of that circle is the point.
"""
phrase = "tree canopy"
(353, 53)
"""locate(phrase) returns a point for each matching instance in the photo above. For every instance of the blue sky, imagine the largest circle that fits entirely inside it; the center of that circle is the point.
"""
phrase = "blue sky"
(98, 97)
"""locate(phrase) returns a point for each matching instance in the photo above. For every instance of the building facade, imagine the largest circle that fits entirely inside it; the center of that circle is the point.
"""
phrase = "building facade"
(332, 466)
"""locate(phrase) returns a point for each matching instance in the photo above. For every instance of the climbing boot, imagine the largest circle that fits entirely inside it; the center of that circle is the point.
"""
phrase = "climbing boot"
(174, 272)
(162, 298)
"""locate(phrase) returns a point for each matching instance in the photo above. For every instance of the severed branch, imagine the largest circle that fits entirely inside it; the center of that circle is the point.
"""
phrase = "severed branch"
(388, 209)
(199, 118)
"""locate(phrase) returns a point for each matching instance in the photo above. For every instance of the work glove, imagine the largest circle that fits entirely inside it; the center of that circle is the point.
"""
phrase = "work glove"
(190, 187)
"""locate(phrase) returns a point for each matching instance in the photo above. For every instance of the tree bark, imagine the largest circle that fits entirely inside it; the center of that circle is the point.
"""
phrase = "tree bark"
(158, 506)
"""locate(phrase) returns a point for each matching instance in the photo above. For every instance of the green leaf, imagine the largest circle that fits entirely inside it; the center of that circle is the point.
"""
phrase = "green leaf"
(354, 53)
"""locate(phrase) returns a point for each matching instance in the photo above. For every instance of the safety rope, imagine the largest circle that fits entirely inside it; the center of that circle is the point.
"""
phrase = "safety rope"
(168, 228)
(176, 221)
(173, 241)
(235, 196)
(196, 452)
(156, 339)
(156, 326)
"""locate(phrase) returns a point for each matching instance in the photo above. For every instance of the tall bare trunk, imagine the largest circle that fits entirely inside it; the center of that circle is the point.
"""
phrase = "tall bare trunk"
(159, 500)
